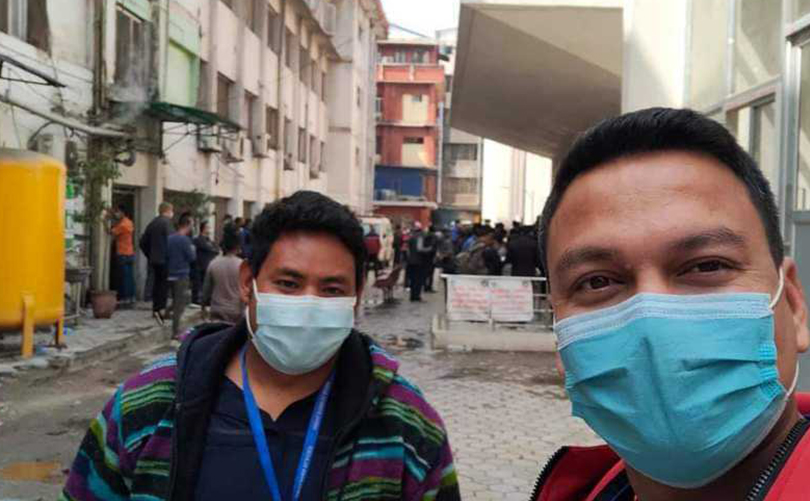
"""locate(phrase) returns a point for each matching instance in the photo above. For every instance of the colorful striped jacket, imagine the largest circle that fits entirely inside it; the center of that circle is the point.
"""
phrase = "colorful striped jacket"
(147, 443)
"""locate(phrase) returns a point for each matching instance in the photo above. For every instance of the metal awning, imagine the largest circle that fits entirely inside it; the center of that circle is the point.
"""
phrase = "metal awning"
(45, 79)
(168, 112)
(534, 73)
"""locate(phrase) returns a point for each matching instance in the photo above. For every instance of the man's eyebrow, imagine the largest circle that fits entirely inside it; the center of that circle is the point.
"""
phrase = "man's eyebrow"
(715, 236)
(290, 272)
(336, 279)
(575, 257)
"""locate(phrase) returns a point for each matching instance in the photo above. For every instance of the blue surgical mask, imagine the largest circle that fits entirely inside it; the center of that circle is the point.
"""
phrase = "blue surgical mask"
(298, 334)
(681, 387)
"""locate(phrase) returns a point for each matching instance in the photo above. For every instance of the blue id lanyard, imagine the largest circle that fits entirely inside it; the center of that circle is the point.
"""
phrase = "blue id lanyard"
(260, 438)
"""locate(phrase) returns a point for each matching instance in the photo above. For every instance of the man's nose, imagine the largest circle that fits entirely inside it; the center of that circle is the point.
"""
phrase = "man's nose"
(651, 280)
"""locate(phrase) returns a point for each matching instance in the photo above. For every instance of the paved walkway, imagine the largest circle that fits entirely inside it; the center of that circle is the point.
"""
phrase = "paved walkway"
(506, 413)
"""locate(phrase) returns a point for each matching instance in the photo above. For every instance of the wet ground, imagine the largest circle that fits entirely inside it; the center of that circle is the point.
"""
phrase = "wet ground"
(506, 413)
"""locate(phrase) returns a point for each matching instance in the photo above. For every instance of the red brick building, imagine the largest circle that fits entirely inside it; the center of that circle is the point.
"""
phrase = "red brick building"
(410, 97)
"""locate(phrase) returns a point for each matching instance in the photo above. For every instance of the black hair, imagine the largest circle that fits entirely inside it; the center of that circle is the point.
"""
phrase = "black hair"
(230, 239)
(307, 211)
(122, 209)
(656, 130)
(203, 225)
(185, 220)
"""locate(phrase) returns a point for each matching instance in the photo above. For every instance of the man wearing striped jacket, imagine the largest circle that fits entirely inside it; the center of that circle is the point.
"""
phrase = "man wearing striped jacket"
(290, 404)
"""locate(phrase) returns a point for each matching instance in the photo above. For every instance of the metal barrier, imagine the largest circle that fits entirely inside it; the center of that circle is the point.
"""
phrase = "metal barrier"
(500, 301)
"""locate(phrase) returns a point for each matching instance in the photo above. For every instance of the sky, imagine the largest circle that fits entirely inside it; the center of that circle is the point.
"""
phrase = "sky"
(422, 16)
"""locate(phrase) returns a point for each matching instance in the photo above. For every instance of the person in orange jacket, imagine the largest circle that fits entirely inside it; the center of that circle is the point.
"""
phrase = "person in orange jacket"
(679, 318)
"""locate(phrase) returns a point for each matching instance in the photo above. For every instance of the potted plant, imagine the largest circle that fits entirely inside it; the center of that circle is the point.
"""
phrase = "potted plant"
(96, 175)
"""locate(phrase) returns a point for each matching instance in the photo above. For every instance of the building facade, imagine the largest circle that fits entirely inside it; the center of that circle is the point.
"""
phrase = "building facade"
(460, 180)
(223, 105)
(410, 107)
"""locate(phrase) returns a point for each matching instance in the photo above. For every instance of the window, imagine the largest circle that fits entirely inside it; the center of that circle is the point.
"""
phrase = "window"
(255, 13)
(304, 66)
(249, 115)
(757, 42)
(399, 56)
(26, 20)
(203, 90)
(378, 145)
(271, 122)
(273, 29)
(414, 140)
(131, 49)
(316, 79)
(323, 157)
(289, 45)
(417, 98)
(223, 106)
(457, 152)
(288, 144)
(314, 168)
(378, 108)
(708, 53)
(419, 56)
(302, 145)
(323, 86)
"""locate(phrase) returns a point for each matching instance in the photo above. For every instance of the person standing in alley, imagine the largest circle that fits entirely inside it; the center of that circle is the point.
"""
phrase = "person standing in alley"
(154, 244)
(220, 297)
(373, 246)
(397, 245)
(180, 256)
(123, 230)
(523, 252)
(419, 251)
(245, 238)
(206, 250)
(430, 245)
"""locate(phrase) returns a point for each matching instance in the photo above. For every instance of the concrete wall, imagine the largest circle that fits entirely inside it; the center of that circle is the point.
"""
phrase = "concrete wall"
(71, 62)
(654, 59)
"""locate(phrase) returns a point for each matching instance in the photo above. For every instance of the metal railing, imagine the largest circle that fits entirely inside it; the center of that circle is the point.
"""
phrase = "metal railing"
(540, 317)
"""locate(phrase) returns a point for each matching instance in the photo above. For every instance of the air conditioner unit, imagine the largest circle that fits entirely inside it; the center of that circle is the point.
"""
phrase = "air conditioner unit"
(210, 142)
(235, 149)
(261, 144)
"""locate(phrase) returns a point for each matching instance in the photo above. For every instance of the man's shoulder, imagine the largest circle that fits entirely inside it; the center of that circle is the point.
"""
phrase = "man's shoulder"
(158, 379)
(405, 402)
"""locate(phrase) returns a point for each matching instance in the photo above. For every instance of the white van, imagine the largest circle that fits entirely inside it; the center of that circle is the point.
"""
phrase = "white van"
(383, 227)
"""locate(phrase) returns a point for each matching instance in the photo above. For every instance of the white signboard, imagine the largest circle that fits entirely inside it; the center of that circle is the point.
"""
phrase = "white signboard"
(511, 300)
(479, 299)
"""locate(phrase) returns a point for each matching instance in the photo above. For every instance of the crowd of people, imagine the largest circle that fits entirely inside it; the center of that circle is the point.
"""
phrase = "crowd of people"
(192, 269)
(466, 249)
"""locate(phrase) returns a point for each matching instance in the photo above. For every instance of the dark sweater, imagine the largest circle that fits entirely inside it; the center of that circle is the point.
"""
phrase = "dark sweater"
(180, 254)
(155, 240)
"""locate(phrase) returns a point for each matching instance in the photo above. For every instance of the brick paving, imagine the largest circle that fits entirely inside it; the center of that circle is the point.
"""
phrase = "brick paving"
(506, 413)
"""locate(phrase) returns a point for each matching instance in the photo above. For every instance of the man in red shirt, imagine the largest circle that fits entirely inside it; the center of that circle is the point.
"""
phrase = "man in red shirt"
(373, 247)
(123, 230)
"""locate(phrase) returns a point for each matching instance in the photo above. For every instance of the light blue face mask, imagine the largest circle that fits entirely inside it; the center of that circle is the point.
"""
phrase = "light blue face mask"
(298, 334)
(681, 387)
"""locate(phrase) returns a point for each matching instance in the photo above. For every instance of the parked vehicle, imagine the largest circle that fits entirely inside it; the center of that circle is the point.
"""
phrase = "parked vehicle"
(383, 227)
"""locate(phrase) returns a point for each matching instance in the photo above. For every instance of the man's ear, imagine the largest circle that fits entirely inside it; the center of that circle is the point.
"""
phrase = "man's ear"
(794, 293)
(245, 282)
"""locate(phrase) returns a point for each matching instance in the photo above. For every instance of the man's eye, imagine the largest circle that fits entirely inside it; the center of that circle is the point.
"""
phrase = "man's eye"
(709, 267)
(335, 291)
(595, 283)
(286, 284)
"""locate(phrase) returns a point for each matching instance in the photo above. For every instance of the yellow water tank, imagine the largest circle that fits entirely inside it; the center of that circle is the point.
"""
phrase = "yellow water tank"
(32, 242)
